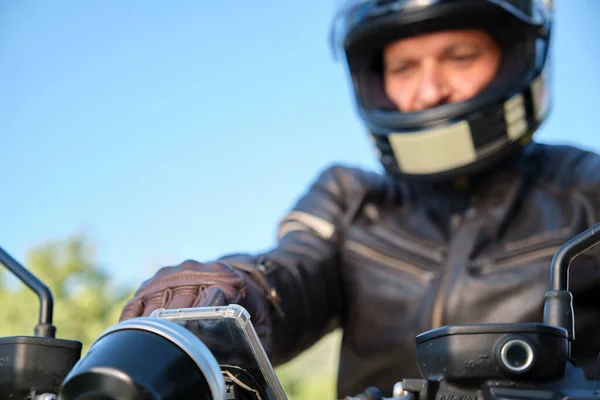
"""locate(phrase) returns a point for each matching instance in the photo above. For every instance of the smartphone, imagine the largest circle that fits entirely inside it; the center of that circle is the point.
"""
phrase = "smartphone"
(228, 333)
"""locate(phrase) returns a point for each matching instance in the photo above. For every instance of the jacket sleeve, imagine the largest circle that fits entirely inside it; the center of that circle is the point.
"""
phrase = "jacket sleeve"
(303, 270)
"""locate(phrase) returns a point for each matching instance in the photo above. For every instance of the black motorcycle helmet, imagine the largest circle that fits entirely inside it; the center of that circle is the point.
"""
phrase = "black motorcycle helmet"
(454, 139)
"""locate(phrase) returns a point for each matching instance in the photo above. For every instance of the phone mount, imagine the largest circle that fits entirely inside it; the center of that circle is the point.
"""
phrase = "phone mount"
(41, 358)
(509, 360)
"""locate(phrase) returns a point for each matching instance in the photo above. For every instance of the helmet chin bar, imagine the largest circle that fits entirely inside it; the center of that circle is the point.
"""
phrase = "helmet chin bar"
(455, 145)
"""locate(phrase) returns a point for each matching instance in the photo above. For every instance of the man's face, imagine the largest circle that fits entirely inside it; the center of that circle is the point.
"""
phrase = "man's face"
(443, 67)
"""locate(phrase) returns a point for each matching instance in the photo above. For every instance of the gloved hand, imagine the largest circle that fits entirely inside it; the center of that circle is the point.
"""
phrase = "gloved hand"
(194, 284)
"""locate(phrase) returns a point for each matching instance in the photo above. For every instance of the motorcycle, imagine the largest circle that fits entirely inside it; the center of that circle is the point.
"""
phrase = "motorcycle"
(213, 353)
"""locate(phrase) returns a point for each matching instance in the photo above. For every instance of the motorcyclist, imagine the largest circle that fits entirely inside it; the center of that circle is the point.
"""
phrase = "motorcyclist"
(461, 226)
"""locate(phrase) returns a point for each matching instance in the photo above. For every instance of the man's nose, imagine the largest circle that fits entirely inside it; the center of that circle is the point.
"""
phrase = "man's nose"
(434, 89)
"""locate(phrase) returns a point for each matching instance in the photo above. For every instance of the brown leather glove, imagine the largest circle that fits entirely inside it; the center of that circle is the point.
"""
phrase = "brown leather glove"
(194, 284)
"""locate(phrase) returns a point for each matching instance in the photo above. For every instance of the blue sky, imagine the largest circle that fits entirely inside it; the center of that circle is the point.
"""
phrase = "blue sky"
(175, 130)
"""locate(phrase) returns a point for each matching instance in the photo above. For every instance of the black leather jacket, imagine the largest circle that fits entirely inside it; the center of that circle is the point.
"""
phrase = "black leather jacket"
(386, 260)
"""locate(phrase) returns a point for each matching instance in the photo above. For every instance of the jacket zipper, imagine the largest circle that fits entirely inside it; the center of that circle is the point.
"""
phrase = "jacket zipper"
(487, 266)
(423, 276)
(448, 273)
(413, 245)
(388, 240)
(438, 302)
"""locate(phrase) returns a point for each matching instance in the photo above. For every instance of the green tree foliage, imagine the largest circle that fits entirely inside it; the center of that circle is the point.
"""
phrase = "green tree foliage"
(86, 302)
(312, 375)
